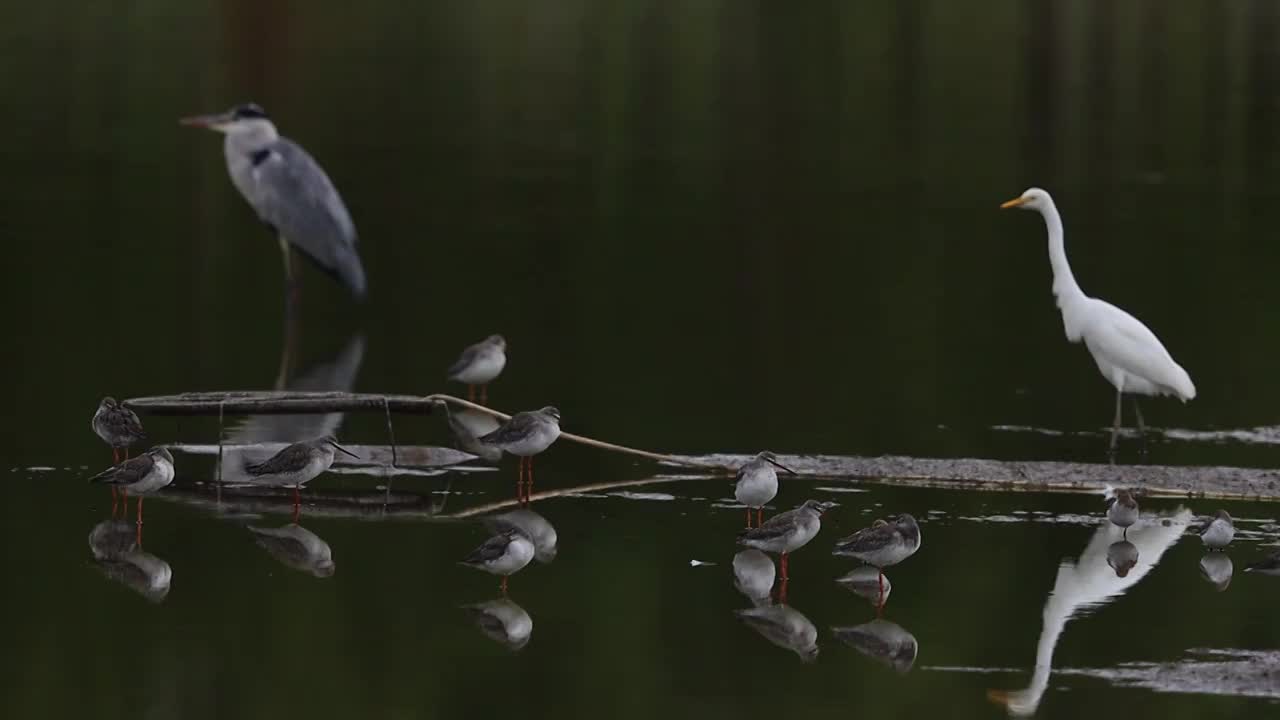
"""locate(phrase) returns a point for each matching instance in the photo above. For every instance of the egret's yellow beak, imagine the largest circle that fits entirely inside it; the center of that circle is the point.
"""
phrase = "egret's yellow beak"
(1012, 203)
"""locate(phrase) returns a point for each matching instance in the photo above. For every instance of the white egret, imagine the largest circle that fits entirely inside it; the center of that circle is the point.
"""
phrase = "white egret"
(1128, 354)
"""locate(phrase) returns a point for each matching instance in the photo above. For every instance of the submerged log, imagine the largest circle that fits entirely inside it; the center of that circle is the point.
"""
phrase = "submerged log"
(283, 402)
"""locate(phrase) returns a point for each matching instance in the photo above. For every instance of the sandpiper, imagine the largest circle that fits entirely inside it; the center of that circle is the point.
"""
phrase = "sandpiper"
(468, 426)
(296, 465)
(785, 627)
(1218, 532)
(1122, 556)
(1269, 566)
(787, 532)
(882, 640)
(526, 434)
(118, 426)
(882, 545)
(296, 547)
(1216, 568)
(1122, 509)
(534, 526)
(757, 483)
(480, 364)
(503, 621)
(502, 554)
(144, 474)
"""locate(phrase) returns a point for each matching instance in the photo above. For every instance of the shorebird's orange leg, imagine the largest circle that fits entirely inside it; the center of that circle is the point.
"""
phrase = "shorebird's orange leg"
(140, 498)
(784, 567)
(471, 393)
(528, 483)
(503, 585)
(748, 518)
(759, 516)
(115, 455)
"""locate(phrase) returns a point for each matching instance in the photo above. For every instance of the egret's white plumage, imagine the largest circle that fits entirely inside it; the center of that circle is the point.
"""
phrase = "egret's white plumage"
(1127, 353)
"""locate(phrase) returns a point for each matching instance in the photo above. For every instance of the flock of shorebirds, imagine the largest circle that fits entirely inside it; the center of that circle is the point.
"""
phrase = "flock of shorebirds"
(885, 543)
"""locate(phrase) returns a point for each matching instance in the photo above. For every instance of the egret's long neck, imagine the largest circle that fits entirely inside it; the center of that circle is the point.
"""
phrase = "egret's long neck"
(1064, 283)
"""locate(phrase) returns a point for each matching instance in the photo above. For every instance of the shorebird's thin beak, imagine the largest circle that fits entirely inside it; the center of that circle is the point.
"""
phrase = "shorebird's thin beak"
(336, 445)
(777, 464)
(1012, 203)
(211, 122)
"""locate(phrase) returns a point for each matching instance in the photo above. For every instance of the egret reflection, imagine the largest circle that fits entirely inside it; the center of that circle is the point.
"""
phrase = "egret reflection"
(881, 640)
(296, 547)
(1090, 581)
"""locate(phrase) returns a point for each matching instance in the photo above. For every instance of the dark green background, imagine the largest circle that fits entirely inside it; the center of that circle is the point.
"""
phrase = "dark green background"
(702, 226)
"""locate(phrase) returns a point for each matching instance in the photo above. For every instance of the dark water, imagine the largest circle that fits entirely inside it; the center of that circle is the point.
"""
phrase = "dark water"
(702, 227)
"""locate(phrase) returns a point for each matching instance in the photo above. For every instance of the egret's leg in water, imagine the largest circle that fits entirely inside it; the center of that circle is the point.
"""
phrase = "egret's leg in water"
(1142, 427)
(1115, 428)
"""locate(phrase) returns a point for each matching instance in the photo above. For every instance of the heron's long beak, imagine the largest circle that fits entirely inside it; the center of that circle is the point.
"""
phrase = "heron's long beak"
(777, 464)
(1012, 203)
(336, 445)
(204, 121)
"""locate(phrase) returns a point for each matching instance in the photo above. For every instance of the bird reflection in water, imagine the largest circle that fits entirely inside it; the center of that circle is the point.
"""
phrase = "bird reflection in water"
(1216, 568)
(883, 641)
(1122, 555)
(753, 576)
(118, 553)
(467, 427)
(503, 621)
(532, 525)
(296, 547)
(869, 584)
(785, 627)
(1089, 582)
(503, 554)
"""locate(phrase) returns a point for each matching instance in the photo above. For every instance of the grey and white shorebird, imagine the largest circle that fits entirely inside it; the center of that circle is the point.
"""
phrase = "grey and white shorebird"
(1218, 532)
(468, 426)
(502, 621)
(1122, 508)
(757, 483)
(883, 641)
(1216, 568)
(884, 544)
(296, 465)
(1267, 566)
(526, 434)
(141, 476)
(290, 193)
(118, 426)
(786, 532)
(479, 365)
(785, 627)
(503, 554)
(534, 526)
(296, 547)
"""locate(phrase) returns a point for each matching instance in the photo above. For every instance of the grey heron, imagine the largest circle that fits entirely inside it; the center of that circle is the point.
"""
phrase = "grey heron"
(290, 193)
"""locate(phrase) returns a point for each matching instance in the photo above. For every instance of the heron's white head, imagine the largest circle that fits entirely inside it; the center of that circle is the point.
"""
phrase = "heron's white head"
(248, 123)
(1033, 199)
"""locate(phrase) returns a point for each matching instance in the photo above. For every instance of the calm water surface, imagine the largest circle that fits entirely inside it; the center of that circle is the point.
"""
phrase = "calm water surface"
(703, 227)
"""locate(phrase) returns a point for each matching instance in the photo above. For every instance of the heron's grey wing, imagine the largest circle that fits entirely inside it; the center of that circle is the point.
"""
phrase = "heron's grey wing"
(516, 428)
(868, 539)
(290, 459)
(492, 549)
(464, 360)
(126, 473)
(293, 194)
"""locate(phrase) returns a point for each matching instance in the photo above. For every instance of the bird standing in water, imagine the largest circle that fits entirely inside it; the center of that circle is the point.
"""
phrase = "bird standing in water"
(480, 364)
(1122, 509)
(290, 193)
(757, 483)
(1127, 353)
(144, 474)
(526, 434)
(296, 465)
(503, 554)
(1218, 532)
(882, 545)
(118, 426)
(786, 532)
